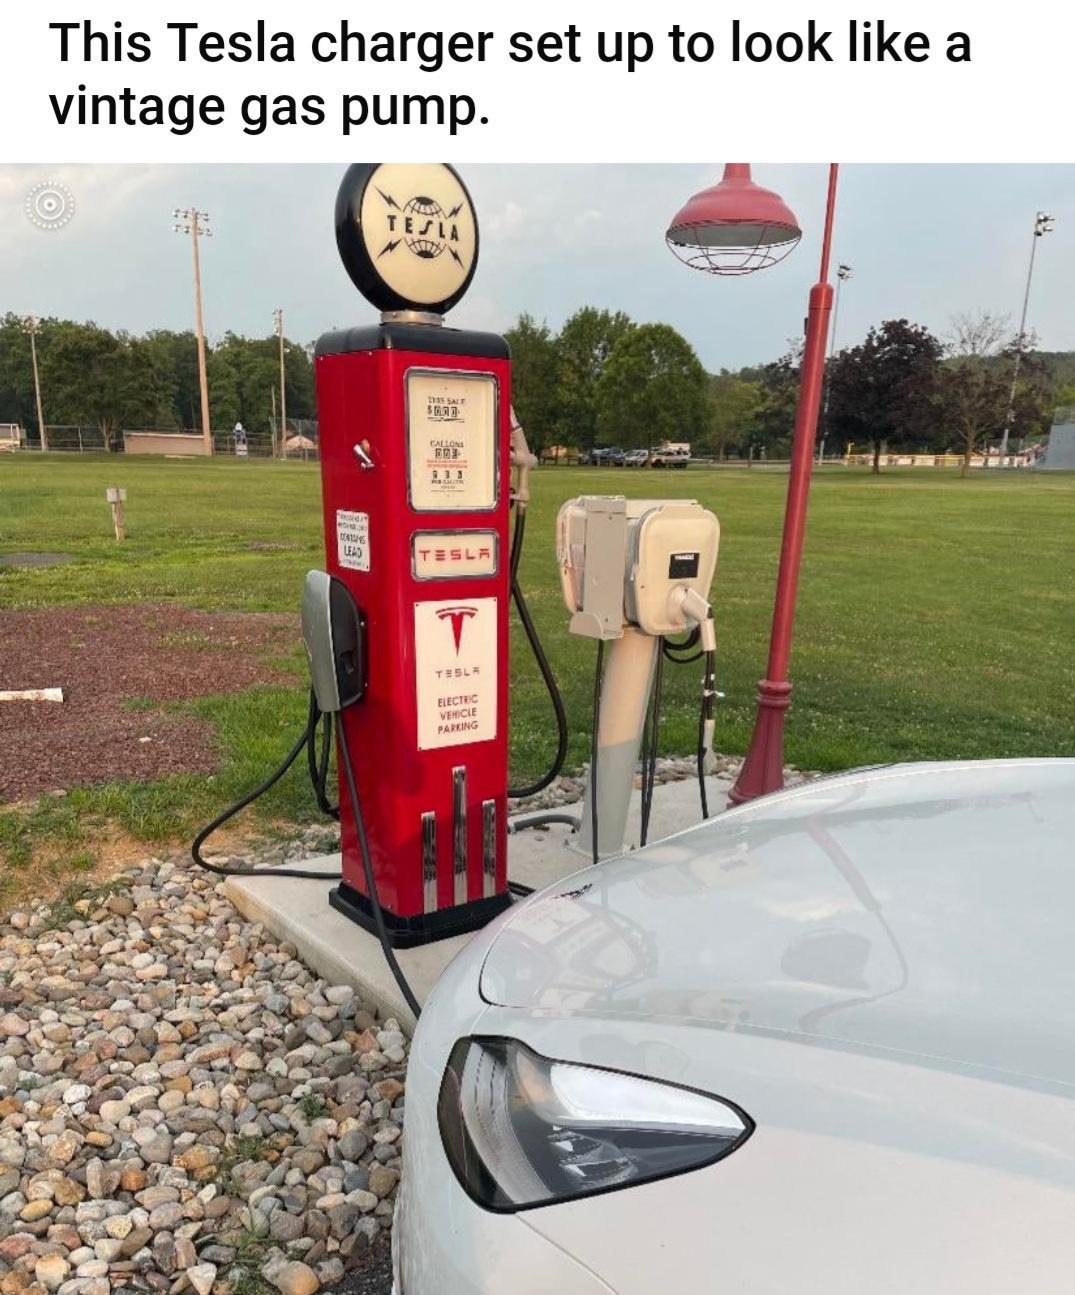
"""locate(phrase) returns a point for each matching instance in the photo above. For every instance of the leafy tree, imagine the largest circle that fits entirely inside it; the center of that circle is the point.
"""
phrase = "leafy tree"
(244, 373)
(974, 385)
(533, 380)
(1034, 375)
(16, 372)
(881, 391)
(733, 404)
(653, 388)
(94, 376)
(176, 355)
(584, 345)
(970, 397)
(772, 421)
(90, 375)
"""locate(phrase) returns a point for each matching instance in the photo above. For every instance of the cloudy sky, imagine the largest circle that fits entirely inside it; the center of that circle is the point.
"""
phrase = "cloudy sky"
(925, 242)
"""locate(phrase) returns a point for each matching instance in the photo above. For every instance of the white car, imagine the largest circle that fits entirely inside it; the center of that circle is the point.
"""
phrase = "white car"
(670, 458)
(823, 1044)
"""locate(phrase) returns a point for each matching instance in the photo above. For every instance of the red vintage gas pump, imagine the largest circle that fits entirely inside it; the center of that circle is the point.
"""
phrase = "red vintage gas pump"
(415, 434)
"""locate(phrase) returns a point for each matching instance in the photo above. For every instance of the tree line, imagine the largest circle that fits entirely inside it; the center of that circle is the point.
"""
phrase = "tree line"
(606, 380)
(603, 379)
(91, 376)
(902, 388)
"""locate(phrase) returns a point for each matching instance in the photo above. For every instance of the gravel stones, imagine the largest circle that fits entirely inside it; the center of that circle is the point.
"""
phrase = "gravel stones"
(182, 1102)
(202, 1277)
(296, 1278)
(101, 1179)
(51, 1271)
(111, 1112)
(352, 1144)
(13, 1027)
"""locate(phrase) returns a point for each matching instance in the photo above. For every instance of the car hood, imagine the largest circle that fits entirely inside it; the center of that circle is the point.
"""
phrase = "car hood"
(918, 912)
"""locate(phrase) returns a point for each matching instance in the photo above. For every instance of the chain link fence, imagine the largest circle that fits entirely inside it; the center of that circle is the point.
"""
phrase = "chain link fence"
(69, 437)
(300, 442)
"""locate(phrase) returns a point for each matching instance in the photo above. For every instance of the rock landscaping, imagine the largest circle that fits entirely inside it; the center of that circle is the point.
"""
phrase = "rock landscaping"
(183, 1105)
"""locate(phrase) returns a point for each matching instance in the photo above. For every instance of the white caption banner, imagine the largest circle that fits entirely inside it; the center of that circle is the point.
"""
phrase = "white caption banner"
(542, 82)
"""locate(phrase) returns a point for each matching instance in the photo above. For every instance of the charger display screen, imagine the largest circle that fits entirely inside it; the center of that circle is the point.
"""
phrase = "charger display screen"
(683, 566)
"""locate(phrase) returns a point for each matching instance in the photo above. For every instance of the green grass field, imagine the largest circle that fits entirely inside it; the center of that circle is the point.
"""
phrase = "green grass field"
(936, 616)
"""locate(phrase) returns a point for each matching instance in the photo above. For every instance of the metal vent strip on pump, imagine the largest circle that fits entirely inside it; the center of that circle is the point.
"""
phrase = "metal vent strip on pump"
(422, 465)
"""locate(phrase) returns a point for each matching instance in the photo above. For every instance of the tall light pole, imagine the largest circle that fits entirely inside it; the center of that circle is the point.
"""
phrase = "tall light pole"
(1043, 224)
(734, 228)
(278, 323)
(196, 223)
(843, 273)
(30, 326)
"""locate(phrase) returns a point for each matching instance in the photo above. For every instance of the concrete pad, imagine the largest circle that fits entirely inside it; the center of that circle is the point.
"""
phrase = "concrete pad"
(297, 911)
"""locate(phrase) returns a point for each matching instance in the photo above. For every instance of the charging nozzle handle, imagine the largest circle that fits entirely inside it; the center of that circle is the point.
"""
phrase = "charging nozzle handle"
(695, 608)
(521, 461)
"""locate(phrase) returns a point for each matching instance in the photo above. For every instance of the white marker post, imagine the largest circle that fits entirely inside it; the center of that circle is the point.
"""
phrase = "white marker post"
(116, 496)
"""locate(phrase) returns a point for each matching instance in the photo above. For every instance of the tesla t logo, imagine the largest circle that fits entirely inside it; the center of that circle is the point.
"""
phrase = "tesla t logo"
(457, 615)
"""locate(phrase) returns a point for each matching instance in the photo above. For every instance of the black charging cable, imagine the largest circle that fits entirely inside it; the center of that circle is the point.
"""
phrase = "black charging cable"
(681, 653)
(318, 771)
(534, 639)
(705, 714)
(675, 652)
(220, 870)
(371, 880)
(318, 764)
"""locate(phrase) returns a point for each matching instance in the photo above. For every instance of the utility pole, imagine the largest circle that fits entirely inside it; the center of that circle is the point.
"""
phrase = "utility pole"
(30, 325)
(843, 272)
(278, 323)
(1043, 224)
(196, 223)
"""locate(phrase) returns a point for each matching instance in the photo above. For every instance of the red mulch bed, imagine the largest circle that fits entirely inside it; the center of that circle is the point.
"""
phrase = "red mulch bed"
(104, 657)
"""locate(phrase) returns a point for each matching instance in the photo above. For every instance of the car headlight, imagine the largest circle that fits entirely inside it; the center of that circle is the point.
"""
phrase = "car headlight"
(522, 1130)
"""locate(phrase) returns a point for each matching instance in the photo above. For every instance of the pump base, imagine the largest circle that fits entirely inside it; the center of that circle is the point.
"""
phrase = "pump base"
(423, 928)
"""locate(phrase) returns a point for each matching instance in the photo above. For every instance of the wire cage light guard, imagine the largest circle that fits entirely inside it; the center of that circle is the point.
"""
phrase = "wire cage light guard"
(733, 228)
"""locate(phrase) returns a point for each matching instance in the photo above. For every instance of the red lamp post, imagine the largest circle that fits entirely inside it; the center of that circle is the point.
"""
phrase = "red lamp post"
(734, 228)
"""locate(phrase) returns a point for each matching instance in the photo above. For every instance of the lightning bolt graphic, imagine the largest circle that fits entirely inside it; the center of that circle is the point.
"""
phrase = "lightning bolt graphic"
(455, 211)
(457, 257)
(389, 247)
(388, 198)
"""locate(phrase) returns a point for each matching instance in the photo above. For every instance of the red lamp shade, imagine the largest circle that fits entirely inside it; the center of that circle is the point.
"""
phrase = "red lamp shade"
(735, 227)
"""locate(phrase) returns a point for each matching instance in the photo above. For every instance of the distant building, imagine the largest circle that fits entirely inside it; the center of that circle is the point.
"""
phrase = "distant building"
(1060, 452)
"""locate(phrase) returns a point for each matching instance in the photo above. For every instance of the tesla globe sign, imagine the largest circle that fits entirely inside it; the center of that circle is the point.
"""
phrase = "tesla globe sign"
(407, 234)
